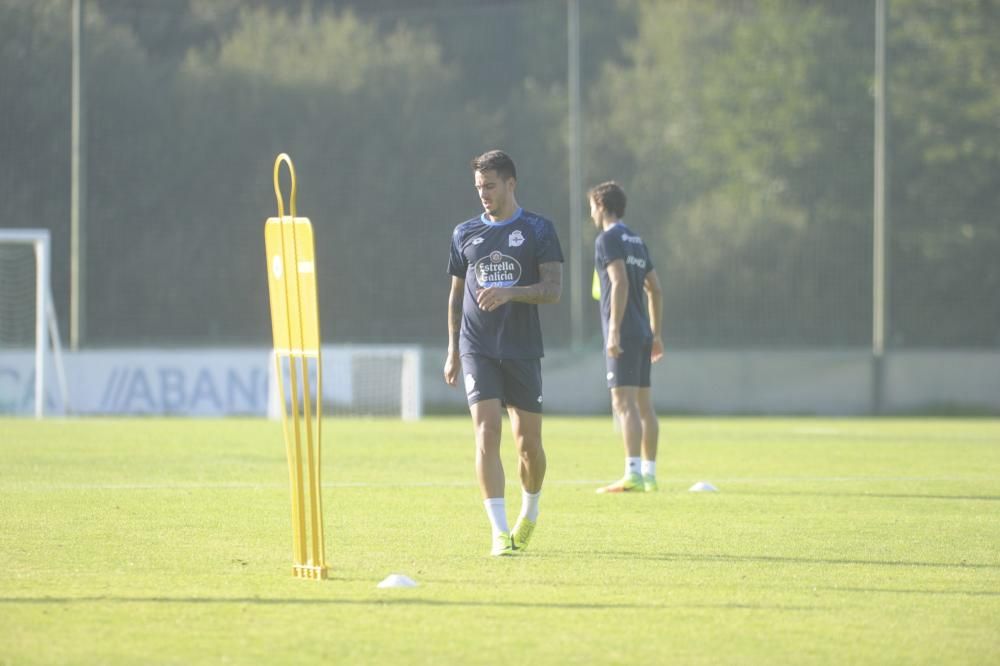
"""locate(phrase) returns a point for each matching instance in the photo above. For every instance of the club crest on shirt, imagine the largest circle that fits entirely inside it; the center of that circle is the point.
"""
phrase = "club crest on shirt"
(515, 239)
(497, 270)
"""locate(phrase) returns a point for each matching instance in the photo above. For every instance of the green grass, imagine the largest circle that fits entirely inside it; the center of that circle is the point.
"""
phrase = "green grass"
(831, 542)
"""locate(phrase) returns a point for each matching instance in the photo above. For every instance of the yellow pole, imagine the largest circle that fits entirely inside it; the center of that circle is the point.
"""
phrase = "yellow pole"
(295, 325)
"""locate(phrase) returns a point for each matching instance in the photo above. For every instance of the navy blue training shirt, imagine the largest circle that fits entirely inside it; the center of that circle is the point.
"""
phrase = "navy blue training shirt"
(502, 254)
(619, 242)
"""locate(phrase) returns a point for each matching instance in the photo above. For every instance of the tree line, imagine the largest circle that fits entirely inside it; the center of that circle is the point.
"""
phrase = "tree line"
(742, 131)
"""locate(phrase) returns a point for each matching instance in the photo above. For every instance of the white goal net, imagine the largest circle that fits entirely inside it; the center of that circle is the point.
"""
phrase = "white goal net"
(28, 327)
(364, 380)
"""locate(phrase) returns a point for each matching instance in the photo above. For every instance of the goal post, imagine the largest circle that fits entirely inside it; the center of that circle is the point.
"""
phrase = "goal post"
(19, 295)
(365, 380)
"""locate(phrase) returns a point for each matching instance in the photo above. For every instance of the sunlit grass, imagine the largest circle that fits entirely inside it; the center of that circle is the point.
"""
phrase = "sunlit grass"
(830, 541)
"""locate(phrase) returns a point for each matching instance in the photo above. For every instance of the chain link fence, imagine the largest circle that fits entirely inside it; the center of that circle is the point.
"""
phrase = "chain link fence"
(742, 132)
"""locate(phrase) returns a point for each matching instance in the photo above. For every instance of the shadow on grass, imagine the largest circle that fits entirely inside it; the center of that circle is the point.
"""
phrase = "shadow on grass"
(889, 590)
(398, 602)
(774, 559)
(980, 498)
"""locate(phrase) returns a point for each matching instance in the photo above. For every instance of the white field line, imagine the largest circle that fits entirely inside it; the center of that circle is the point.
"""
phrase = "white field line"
(237, 485)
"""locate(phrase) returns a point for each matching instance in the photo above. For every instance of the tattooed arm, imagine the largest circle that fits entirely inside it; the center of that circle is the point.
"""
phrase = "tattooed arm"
(548, 289)
(452, 364)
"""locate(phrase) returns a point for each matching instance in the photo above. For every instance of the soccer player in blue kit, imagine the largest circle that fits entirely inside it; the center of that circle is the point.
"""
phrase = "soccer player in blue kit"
(631, 306)
(503, 263)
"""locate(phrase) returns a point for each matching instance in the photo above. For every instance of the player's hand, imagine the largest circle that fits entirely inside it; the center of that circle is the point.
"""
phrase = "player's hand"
(491, 298)
(614, 346)
(657, 353)
(451, 369)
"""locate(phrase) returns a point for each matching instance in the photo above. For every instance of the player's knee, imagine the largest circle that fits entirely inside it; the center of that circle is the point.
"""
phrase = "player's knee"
(487, 435)
(624, 407)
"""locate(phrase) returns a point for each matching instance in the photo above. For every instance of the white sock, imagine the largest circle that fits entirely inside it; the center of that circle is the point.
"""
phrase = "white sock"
(631, 466)
(649, 468)
(497, 514)
(529, 505)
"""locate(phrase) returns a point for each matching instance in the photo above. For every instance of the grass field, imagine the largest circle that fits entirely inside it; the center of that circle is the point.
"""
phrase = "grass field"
(830, 542)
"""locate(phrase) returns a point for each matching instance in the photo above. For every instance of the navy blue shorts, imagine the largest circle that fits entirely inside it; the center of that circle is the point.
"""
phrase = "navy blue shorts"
(515, 382)
(631, 368)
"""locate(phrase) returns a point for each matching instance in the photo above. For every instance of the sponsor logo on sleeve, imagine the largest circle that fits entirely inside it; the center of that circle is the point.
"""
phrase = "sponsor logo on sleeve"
(635, 261)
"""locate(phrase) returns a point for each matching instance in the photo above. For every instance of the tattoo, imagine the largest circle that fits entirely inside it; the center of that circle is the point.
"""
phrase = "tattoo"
(548, 289)
(455, 313)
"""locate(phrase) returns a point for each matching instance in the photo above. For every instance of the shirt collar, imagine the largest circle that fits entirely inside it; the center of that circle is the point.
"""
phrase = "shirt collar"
(487, 221)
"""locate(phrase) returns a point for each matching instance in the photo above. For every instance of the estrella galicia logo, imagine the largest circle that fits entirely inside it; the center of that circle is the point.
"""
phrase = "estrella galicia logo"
(515, 239)
(497, 270)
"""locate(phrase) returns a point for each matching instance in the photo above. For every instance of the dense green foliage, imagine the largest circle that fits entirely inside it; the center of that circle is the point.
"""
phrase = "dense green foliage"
(830, 542)
(742, 131)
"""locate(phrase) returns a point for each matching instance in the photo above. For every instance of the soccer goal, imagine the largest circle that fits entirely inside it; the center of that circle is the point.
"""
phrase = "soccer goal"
(365, 380)
(29, 332)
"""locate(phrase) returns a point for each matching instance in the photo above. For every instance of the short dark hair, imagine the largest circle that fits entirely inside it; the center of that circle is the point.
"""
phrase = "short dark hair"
(495, 160)
(610, 196)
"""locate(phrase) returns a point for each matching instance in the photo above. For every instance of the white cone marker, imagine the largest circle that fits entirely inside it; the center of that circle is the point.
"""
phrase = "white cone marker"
(397, 580)
(703, 487)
